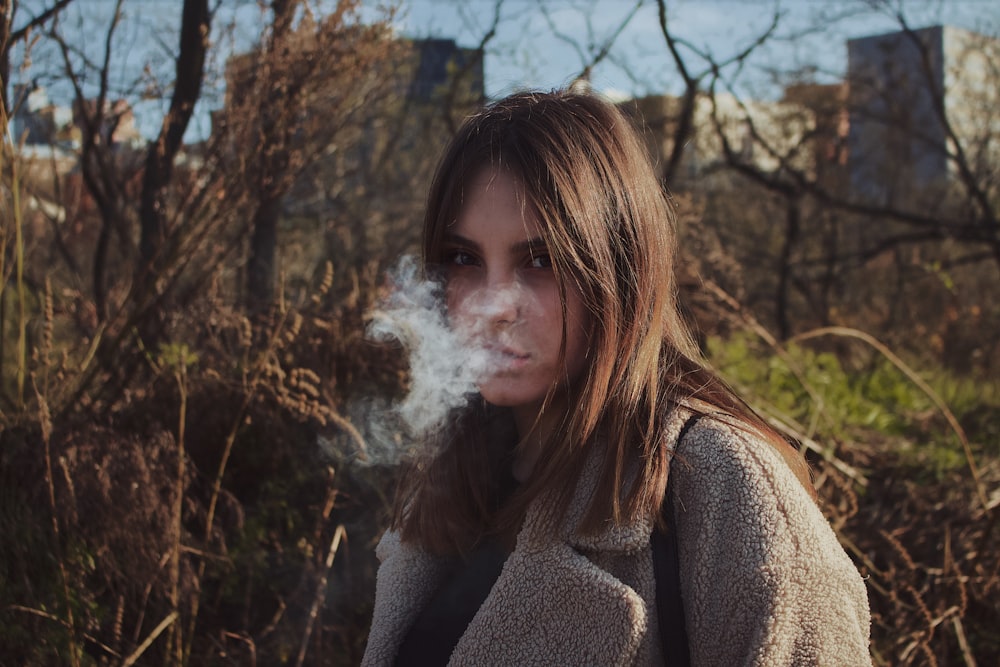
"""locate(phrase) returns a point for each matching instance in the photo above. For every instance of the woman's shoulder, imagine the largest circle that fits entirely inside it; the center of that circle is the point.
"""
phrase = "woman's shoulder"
(724, 453)
(753, 544)
(725, 472)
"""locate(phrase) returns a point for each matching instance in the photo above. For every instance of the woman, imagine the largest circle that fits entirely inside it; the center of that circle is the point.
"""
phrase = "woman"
(527, 538)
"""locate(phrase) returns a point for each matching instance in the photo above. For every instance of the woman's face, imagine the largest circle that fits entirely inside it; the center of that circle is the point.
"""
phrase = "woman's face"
(503, 296)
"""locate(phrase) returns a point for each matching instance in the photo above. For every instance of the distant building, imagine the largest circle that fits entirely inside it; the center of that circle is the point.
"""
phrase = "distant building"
(827, 141)
(902, 85)
(36, 121)
(39, 123)
(439, 63)
(432, 85)
(117, 127)
(767, 135)
(366, 143)
(424, 70)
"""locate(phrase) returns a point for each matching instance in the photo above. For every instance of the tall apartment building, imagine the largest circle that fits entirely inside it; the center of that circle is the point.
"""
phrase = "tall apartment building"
(440, 64)
(767, 135)
(911, 93)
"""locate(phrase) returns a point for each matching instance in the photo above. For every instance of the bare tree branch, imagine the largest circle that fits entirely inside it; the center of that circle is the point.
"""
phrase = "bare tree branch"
(9, 37)
(190, 64)
(692, 82)
(98, 168)
(451, 97)
(594, 53)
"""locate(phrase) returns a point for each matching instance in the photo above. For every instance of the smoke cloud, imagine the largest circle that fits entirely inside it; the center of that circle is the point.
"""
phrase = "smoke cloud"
(444, 367)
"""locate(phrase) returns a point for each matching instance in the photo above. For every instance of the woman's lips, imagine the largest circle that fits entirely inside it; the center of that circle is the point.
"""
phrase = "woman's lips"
(508, 358)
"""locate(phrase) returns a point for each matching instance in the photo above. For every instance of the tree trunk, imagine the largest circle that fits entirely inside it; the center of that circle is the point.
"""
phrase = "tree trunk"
(273, 161)
(195, 24)
(5, 47)
(792, 226)
(263, 247)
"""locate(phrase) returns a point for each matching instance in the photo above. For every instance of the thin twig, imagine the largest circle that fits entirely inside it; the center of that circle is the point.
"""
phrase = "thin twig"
(46, 423)
(351, 430)
(145, 596)
(52, 617)
(761, 331)
(246, 640)
(157, 631)
(963, 643)
(175, 561)
(796, 431)
(320, 592)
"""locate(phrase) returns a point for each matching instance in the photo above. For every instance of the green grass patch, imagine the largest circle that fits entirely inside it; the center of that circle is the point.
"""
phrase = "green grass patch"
(874, 400)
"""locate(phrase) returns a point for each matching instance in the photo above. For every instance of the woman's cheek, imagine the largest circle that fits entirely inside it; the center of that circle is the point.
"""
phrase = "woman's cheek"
(461, 316)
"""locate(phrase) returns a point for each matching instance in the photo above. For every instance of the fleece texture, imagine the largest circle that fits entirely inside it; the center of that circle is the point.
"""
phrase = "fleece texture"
(763, 578)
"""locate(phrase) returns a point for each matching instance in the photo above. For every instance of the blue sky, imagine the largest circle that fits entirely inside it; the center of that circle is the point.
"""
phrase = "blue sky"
(526, 51)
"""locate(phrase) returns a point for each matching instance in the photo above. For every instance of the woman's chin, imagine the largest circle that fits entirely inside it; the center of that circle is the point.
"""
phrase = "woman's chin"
(503, 395)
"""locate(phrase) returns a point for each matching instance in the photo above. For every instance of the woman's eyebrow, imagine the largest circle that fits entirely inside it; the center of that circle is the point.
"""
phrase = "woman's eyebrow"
(458, 239)
(529, 245)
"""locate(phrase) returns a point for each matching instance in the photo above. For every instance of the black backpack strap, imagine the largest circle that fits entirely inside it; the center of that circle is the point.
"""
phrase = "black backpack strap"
(667, 571)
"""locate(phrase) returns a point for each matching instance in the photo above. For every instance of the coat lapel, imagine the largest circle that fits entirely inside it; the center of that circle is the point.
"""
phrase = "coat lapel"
(554, 606)
(406, 582)
(552, 603)
(560, 599)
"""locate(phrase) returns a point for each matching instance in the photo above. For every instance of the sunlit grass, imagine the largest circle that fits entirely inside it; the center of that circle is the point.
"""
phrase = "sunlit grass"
(815, 387)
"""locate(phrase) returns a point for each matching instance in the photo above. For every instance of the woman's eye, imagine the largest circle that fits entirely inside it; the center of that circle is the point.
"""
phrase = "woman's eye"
(461, 258)
(541, 260)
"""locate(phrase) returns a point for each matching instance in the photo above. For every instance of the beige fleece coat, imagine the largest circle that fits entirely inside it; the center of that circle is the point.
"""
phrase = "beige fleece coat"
(763, 577)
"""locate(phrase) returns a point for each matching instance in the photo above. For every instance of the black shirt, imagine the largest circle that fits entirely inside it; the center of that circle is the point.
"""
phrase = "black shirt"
(442, 623)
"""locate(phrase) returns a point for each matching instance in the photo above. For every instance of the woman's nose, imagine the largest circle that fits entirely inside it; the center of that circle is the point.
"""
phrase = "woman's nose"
(500, 302)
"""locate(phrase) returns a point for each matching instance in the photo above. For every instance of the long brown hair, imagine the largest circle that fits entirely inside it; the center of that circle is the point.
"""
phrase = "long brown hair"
(610, 229)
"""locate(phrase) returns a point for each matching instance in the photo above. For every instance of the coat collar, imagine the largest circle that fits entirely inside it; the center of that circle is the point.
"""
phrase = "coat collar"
(550, 595)
(615, 538)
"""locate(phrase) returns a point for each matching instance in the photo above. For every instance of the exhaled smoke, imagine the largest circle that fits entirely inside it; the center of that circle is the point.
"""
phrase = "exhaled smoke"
(444, 369)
